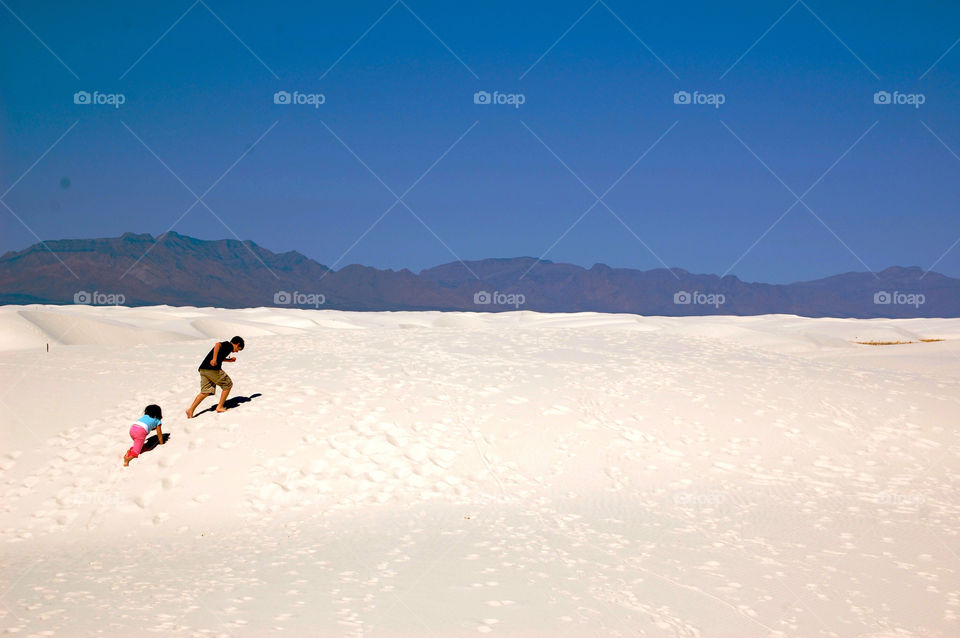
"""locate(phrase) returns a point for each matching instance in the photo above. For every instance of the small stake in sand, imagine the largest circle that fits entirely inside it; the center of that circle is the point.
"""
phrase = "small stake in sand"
(895, 343)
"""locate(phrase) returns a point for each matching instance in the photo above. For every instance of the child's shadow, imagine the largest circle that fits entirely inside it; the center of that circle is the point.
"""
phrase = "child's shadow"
(152, 442)
(231, 403)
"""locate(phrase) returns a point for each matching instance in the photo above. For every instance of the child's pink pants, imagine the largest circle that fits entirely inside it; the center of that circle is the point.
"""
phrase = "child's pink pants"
(139, 435)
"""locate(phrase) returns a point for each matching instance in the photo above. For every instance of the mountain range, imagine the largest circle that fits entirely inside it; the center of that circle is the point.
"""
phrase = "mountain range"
(179, 270)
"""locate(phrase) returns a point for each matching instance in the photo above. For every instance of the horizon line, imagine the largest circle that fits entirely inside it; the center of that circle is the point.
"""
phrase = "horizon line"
(45, 245)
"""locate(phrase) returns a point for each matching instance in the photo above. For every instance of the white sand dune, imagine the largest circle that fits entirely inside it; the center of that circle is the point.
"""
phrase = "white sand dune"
(454, 474)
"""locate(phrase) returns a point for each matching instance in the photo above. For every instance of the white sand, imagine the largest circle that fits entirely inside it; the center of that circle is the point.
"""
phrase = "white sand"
(449, 474)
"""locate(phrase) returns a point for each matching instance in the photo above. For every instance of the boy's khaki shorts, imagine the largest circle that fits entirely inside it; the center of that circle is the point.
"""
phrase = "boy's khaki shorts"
(210, 379)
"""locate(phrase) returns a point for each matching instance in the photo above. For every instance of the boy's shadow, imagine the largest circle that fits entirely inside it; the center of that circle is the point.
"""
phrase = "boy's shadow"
(152, 442)
(230, 403)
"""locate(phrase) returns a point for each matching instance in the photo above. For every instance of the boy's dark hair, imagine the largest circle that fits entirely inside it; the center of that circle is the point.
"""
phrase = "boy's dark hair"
(238, 341)
(153, 411)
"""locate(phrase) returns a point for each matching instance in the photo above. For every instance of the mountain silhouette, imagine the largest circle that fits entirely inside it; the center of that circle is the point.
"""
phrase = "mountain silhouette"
(177, 270)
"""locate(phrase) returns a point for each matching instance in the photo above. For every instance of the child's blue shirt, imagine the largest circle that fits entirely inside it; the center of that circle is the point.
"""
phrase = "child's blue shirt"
(148, 422)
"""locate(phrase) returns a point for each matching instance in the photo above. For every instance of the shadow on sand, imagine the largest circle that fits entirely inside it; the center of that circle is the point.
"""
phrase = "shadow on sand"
(152, 442)
(230, 403)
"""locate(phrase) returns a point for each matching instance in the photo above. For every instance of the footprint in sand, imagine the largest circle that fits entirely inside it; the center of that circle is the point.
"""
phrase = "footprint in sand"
(170, 481)
(9, 460)
(169, 460)
(144, 499)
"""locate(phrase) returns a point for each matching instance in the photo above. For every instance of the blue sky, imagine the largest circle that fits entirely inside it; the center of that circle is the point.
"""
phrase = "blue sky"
(695, 186)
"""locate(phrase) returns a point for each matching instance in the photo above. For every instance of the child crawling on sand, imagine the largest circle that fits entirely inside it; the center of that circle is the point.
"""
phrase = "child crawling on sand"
(142, 427)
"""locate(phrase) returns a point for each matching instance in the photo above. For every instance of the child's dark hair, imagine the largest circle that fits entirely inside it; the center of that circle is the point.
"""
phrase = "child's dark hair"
(153, 411)
(238, 341)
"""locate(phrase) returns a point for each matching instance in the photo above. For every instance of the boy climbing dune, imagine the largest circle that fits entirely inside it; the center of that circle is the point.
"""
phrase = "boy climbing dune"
(212, 374)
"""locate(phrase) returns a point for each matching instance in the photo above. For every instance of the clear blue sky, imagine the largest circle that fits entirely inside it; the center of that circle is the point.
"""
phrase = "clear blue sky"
(800, 98)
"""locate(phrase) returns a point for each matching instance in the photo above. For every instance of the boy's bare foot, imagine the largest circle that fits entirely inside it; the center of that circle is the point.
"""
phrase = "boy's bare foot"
(219, 409)
(189, 413)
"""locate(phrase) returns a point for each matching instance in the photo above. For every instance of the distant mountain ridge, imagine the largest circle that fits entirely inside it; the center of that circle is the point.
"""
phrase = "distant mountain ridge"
(183, 271)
